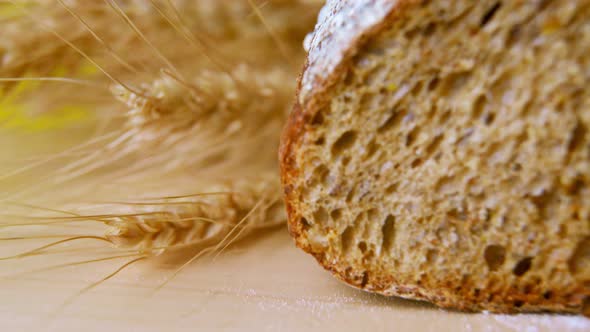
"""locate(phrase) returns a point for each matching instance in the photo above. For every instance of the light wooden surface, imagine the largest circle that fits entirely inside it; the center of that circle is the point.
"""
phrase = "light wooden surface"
(261, 284)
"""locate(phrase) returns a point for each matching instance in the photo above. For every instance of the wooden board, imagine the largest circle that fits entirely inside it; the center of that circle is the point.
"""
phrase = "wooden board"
(262, 284)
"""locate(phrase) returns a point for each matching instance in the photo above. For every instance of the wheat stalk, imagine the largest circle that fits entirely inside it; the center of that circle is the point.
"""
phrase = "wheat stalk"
(232, 208)
(249, 98)
(92, 43)
(199, 91)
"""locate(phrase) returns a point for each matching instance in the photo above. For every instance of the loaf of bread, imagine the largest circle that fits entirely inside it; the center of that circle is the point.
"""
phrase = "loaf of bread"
(440, 150)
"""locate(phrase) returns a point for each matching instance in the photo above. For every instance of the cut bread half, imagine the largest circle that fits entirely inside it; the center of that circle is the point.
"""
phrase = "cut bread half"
(440, 150)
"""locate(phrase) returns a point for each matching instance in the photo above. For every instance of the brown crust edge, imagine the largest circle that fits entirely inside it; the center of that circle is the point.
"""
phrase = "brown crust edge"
(299, 118)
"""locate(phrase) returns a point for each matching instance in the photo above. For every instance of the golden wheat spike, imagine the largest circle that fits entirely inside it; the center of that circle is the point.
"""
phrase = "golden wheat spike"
(201, 92)
(205, 220)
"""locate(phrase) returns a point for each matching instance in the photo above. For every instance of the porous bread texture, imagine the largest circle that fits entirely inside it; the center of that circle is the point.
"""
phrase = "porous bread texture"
(447, 156)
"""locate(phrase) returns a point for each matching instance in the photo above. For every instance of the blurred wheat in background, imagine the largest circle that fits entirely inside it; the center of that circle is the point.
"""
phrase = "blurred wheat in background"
(148, 125)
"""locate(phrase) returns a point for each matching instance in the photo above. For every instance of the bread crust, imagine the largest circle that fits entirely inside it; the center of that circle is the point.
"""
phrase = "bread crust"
(318, 76)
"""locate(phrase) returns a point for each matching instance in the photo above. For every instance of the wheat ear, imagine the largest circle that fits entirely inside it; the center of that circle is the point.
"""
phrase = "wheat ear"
(234, 209)
(198, 106)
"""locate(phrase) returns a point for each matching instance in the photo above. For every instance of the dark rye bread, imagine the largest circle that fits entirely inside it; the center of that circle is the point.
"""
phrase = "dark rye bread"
(440, 150)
